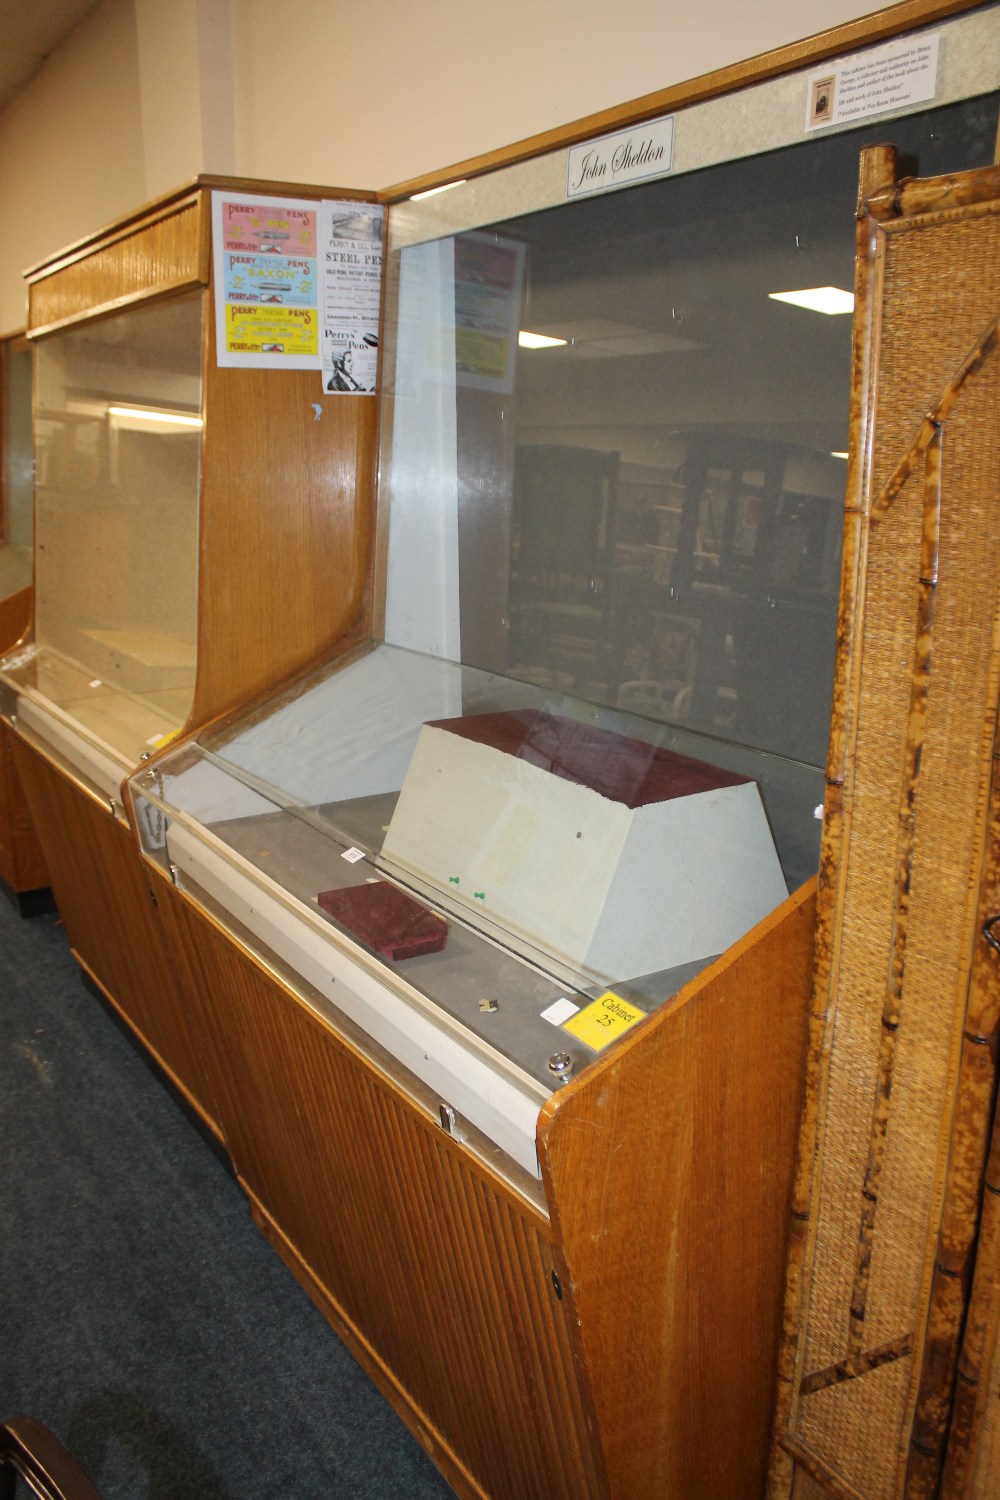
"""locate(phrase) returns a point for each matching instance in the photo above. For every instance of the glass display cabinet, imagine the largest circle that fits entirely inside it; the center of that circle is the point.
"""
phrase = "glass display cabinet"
(190, 513)
(22, 870)
(504, 915)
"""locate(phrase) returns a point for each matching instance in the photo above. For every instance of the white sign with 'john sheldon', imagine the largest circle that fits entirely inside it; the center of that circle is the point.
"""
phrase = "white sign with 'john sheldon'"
(615, 161)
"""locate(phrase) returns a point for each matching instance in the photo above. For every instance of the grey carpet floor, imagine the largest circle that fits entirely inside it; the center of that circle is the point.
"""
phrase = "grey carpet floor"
(142, 1316)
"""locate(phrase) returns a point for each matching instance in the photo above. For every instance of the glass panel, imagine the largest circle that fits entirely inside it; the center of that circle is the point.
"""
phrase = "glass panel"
(15, 553)
(118, 445)
(538, 827)
(645, 510)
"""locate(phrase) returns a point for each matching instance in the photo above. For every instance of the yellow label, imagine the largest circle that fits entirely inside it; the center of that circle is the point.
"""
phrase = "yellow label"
(603, 1020)
(271, 330)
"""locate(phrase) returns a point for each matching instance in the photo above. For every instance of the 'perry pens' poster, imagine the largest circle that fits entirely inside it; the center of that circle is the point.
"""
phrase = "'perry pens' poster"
(267, 299)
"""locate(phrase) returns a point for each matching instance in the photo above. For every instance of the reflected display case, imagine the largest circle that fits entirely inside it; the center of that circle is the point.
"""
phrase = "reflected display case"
(22, 869)
(190, 514)
(504, 913)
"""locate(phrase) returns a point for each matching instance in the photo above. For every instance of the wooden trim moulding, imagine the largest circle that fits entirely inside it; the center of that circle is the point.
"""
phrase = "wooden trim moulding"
(110, 234)
(881, 25)
(168, 203)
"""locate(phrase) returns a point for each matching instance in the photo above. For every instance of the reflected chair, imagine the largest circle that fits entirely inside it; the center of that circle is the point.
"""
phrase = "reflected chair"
(30, 1452)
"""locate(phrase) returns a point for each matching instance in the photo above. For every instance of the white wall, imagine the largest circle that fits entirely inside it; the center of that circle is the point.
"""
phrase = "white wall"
(392, 89)
(146, 94)
(70, 148)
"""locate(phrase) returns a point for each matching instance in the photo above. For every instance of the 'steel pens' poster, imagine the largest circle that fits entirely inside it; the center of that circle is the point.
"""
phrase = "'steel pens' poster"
(350, 288)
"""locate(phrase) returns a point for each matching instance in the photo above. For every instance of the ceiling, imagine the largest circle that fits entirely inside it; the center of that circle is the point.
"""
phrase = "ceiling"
(31, 29)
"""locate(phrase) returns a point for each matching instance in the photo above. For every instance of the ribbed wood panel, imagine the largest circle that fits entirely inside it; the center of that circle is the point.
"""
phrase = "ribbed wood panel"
(163, 251)
(669, 1165)
(114, 925)
(22, 867)
(900, 1084)
(433, 1264)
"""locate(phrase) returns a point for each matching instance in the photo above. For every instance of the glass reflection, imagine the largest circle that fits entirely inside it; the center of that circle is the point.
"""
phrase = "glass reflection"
(641, 505)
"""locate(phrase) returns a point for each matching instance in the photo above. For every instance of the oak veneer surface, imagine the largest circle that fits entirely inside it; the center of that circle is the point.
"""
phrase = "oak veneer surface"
(285, 527)
(438, 1270)
(15, 616)
(900, 1084)
(114, 927)
(22, 867)
(669, 1165)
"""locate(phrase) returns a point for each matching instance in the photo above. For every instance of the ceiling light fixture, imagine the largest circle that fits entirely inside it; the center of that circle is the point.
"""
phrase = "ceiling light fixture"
(822, 299)
(537, 340)
(432, 192)
(150, 414)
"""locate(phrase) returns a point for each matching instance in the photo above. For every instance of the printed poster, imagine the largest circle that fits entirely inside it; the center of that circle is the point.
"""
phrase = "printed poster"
(350, 289)
(489, 272)
(267, 302)
(298, 285)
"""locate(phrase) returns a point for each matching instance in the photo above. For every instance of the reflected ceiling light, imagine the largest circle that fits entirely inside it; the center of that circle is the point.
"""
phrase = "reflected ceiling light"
(154, 414)
(432, 192)
(537, 340)
(838, 455)
(823, 299)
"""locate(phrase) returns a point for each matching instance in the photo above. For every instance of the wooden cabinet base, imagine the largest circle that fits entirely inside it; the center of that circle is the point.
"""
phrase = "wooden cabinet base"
(22, 867)
(115, 925)
(621, 1344)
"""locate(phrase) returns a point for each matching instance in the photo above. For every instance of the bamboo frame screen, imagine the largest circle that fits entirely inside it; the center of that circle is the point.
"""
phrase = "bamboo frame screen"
(901, 1072)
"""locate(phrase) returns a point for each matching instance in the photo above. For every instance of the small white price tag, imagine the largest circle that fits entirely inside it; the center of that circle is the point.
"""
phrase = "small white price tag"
(353, 855)
(559, 1011)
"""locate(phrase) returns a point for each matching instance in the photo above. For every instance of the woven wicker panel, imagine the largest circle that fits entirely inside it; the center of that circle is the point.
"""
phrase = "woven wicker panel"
(903, 872)
(939, 295)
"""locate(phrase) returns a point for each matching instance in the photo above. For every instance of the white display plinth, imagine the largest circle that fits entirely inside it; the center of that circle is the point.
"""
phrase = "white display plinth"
(611, 889)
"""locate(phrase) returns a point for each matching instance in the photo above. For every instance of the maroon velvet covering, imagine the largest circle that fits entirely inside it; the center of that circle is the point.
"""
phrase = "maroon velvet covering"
(386, 919)
(622, 769)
